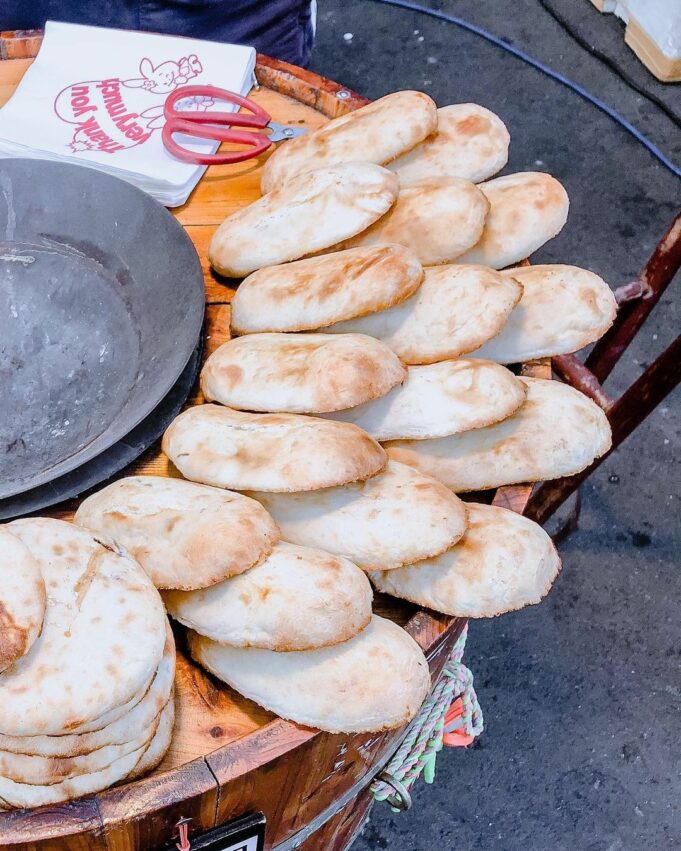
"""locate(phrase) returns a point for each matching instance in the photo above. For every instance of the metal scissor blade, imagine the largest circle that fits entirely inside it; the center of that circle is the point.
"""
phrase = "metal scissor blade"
(278, 132)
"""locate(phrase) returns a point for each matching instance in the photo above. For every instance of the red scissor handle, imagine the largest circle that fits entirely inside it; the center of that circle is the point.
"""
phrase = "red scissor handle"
(214, 125)
(256, 142)
(259, 117)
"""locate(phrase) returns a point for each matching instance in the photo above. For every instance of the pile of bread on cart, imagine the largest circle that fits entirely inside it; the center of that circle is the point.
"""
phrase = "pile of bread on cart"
(365, 386)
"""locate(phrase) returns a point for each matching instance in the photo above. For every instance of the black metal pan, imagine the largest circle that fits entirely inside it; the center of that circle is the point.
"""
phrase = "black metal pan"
(101, 306)
(114, 459)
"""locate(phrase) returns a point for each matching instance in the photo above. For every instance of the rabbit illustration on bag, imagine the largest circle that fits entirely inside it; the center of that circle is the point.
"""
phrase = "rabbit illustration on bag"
(113, 114)
(167, 76)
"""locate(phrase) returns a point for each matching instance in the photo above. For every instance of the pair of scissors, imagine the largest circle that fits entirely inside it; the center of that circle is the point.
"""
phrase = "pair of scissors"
(198, 122)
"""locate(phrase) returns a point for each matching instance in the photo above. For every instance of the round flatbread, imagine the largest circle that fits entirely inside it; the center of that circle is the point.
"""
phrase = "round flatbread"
(300, 373)
(379, 131)
(395, 518)
(556, 432)
(310, 213)
(135, 764)
(470, 142)
(526, 210)
(271, 452)
(375, 681)
(454, 311)
(440, 399)
(308, 294)
(184, 535)
(297, 599)
(439, 219)
(103, 722)
(562, 309)
(46, 771)
(158, 746)
(15, 795)
(140, 717)
(504, 562)
(102, 639)
(22, 599)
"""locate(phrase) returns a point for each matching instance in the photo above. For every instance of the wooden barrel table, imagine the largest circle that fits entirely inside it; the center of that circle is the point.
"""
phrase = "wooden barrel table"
(228, 756)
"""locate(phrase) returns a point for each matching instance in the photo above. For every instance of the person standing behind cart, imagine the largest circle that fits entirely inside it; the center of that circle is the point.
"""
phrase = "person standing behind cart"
(280, 28)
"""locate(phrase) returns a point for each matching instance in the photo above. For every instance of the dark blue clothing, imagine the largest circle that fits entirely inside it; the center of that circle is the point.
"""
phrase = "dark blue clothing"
(280, 28)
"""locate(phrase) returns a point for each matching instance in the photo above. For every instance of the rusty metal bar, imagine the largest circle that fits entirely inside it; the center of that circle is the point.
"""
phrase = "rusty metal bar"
(656, 277)
(574, 372)
(630, 292)
(646, 393)
(625, 415)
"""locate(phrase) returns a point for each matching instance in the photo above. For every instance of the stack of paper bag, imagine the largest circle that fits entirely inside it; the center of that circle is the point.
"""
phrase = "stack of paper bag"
(95, 97)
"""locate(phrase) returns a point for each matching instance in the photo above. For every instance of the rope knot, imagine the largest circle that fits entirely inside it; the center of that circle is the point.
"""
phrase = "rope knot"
(450, 715)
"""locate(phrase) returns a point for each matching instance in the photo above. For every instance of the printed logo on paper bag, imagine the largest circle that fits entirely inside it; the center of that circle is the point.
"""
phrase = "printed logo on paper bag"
(113, 114)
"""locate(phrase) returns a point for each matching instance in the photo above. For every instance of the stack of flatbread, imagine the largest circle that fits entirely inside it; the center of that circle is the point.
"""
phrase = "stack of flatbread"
(421, 278)
(287, 633)
(367, 384)
(86, 690)
(336, 244)
(423, 182)
(253, 601)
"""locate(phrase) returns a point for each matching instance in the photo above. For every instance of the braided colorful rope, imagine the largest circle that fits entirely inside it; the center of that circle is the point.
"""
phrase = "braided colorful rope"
(424, 740)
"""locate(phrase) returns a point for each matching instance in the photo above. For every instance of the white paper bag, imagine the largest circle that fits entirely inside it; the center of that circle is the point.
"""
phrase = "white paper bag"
(95, 96)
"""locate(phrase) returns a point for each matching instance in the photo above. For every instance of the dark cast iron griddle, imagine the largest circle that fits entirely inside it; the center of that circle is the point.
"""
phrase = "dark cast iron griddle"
(114, 459)
(101, 306)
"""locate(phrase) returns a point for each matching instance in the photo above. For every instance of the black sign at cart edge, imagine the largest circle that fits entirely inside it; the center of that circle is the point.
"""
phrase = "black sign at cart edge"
(246, 833)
